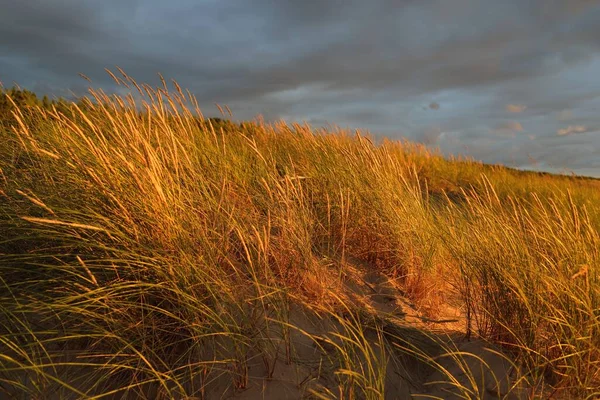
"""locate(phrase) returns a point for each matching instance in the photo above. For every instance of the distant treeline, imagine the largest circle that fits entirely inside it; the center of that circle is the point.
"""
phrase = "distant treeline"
(27, 100)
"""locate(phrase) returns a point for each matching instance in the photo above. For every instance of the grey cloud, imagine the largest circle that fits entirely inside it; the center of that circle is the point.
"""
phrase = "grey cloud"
(430, 136)
(324, 46)
(564, 115)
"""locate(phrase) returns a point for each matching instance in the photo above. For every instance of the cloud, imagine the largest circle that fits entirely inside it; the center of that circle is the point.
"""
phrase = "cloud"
(509, 127)
(430, 136)
(572, 129)
(564, 115)
(434, 106)
(515, 108)
(283, 45)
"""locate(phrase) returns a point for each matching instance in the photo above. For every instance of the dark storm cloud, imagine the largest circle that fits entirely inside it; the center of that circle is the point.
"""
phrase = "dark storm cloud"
(379, 65)
(414, 46)
(49, 39)
(55, 40)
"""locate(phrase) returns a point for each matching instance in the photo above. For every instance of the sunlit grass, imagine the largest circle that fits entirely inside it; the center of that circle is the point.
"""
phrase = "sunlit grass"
(148, 252)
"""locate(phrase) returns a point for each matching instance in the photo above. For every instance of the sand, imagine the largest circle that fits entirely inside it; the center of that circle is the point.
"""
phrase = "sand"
(482, 371)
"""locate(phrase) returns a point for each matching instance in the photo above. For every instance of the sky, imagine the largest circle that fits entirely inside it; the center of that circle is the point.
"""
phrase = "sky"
(515, 82)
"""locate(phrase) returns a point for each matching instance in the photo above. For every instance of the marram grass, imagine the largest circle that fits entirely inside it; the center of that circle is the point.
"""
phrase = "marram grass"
(147, 252)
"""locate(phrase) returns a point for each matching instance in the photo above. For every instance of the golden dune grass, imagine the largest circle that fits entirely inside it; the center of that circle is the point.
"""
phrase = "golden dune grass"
(148, 252)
